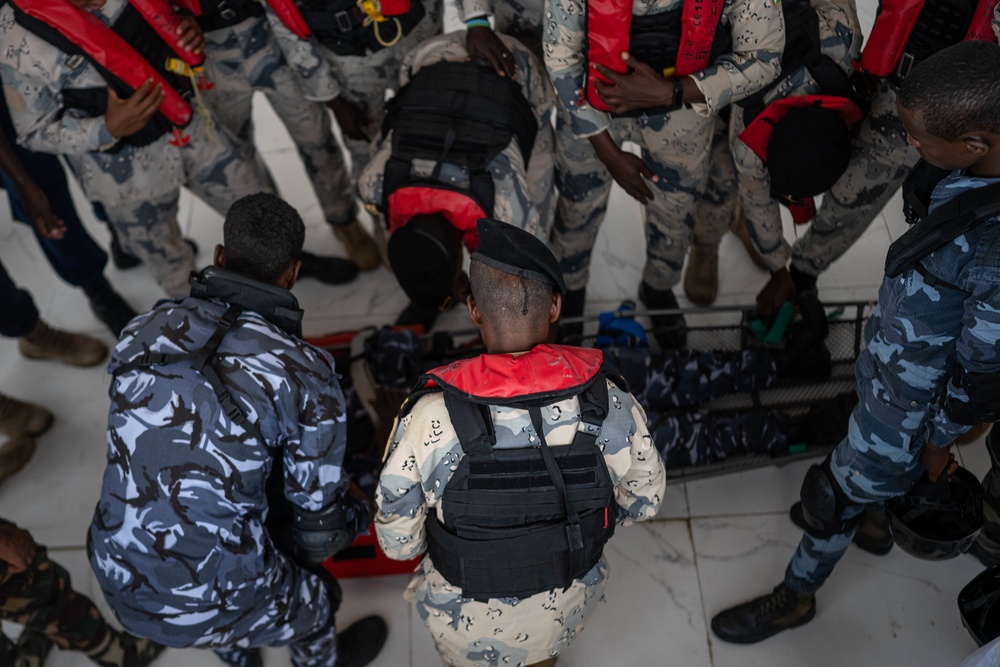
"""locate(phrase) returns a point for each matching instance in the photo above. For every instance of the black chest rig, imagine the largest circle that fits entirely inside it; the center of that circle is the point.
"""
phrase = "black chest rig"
(932, 231)
(219, 14)
(522, 521)
(456, 113)
(343, 26)
(655, 39)
(134, 29)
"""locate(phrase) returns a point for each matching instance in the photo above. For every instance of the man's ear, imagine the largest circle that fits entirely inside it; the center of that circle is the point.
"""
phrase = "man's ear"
(555, 308)
(291, 274)
(474, 314)
(976, 143)
(220, 256)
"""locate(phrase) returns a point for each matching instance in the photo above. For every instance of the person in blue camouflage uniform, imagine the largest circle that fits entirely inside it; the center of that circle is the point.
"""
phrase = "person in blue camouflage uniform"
(178, 542)
(674, 164)
(138, 187)
(936, 330)
(260, 53)
(36, 592)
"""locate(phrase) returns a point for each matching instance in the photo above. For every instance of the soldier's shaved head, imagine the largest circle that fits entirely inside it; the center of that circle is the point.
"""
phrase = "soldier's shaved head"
(956, 90)
(263, 235)
(509, 302)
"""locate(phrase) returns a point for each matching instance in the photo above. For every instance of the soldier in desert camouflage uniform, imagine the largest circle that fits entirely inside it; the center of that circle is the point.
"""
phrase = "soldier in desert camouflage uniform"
(178, 541)
(260, 53)
(36, 593)
(671, 174)
(929, 369)
(515, 300)
(138, 186)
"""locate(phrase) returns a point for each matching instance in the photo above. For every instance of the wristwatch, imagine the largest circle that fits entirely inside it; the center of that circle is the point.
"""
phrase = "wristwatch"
(678, 100)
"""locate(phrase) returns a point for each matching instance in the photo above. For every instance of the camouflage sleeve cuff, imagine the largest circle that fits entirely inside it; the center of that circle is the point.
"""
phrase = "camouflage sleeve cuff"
(104, 138)
(714, 84)
(586, 121)
(476, 9)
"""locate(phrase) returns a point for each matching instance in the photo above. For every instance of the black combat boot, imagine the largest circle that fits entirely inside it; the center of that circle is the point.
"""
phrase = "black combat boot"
(108, 305)
(121, 649)
(329, 270)
(124, 260)
(359, 644)
(670, 331)
(873, 533)
(763, 617)
(572, 306)
(32, 649)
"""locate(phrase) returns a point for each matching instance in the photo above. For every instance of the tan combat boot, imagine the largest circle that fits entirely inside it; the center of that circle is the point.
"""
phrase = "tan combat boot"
(44, 342)
(20, 418)
(360, 246)
(739, 228)
(701, 278)
(14, 454)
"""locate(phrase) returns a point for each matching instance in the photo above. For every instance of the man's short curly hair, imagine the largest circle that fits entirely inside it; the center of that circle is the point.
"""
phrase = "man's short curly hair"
(956, 90)
(263, 234)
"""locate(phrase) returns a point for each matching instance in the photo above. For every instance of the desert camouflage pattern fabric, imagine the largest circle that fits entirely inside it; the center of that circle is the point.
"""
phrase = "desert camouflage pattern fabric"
(718, 201)
(138, 186)
(916, 336)
(178, 542)
(251, 56)
(365, 79)
(423, 451)
(674, 145)
(840, 41)
(524, 195)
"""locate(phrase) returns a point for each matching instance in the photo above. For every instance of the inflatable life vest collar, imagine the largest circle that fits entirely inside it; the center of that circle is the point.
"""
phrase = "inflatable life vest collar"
(161, 15)
(461, 210)
(545, 369)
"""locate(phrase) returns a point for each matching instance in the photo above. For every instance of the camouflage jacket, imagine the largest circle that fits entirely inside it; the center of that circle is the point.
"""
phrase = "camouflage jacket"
(918, 333)
(180, 522)
(757, 28)
(35, 73)
(518, 197)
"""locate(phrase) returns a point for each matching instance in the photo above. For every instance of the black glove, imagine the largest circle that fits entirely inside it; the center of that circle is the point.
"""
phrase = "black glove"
(319, 535)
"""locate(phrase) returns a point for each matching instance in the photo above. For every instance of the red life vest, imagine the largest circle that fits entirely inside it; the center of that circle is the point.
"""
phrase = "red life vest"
(758, 133)
(608, 28)
(110, 52)
(890, 49)
(460, 209)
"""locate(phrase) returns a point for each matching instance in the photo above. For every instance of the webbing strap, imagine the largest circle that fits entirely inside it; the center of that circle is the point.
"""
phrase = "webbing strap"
(574, 536)
(473, 426)
(593, 411)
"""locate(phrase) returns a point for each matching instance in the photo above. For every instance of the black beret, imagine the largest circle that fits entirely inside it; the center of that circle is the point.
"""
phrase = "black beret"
(425, 254)
(511, 250)
(808, 151)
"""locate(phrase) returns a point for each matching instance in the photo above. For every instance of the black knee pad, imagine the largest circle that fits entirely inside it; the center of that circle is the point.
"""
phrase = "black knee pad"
(823, 503)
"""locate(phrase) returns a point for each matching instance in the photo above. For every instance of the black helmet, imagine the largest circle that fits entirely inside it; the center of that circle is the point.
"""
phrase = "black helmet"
(938, 521)
(979, 604)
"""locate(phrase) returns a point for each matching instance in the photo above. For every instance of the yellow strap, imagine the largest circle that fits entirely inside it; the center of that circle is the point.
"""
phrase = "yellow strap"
(178, 66)
(374, 12)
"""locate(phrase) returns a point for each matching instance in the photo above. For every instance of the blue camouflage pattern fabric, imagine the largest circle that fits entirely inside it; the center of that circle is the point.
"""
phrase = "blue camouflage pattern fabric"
(917, 335)
(422, 455)
(674, 145)
(178, 542)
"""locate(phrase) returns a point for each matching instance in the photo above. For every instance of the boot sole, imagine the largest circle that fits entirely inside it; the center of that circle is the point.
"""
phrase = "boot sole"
(761, 637)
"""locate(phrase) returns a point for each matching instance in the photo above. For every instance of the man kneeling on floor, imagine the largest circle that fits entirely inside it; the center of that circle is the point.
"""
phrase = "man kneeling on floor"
(215, 398)
(512, 470)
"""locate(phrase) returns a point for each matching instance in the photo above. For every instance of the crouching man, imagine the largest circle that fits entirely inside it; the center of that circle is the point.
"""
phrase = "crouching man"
(215, 401)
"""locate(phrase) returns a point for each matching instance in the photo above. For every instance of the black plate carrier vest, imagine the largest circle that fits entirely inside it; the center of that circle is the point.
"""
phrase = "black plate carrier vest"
(942, 23)
(219, 14)
(457, 113)
(133, 28)
(522, 521)
(339, 25)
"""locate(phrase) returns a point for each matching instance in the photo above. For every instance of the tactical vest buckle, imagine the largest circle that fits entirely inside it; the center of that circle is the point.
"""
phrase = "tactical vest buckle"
(905, 65)
(344, 22)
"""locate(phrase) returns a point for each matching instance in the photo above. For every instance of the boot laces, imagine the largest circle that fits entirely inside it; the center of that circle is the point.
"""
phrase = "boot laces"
(777, 601)
(50, 338)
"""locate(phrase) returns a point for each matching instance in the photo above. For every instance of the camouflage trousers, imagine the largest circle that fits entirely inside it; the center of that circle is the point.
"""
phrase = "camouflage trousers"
(718, 201)
(989, 539)
(245, 58)
(676, 147)
(882, 157)
(364, 80)
(216, 171)
(867, 473)
(42, 600)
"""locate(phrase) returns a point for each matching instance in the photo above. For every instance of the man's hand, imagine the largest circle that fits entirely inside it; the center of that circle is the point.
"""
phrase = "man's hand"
(641, 89)
(350, 117)
(776, 292)
(125, 117)
(628, 170)
(481, 41)
(17, 549)
(189, 35)
(40, 214)
(937, 460)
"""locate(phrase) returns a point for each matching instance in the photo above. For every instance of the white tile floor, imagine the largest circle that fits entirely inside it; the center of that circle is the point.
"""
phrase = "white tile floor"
(716, 542)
